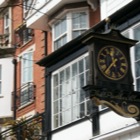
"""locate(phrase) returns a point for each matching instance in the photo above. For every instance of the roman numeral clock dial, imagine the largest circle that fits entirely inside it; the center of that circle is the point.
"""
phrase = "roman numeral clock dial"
(112, 63)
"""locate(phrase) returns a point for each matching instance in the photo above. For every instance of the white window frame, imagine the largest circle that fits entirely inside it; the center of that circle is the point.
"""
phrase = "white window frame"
(69, 93)
(7, 20)
(22, 66)
(27, 6)
(69, 30)
(130, 31)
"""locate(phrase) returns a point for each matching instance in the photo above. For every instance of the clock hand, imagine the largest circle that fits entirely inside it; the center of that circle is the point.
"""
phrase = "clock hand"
(113, 62)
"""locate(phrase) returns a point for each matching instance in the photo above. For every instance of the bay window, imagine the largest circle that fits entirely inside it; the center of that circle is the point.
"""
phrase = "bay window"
(134, 33)
(69, 100)
(71, 25)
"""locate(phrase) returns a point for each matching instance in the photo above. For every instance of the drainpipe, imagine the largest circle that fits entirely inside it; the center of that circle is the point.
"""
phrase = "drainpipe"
(15, 85)
(46, 116)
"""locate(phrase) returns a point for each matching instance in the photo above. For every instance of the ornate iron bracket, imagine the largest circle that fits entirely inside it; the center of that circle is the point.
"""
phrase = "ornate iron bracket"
(124, 103)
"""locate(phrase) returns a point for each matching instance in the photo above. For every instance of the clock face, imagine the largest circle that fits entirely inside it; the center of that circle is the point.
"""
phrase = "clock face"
(112, 63)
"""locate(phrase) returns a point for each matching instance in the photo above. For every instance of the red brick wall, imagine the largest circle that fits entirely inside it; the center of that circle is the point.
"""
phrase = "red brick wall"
(38, 77)
(94, 17)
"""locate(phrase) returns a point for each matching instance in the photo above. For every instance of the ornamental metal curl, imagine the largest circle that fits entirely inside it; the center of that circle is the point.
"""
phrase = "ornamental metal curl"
(124, 109)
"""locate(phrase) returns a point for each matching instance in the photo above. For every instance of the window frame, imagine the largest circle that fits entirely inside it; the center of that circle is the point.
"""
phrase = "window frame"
(22, 66)
(86, 101)
(69, 30)
(130, 32)
(6, 28)
(23, 35)
(27, 7)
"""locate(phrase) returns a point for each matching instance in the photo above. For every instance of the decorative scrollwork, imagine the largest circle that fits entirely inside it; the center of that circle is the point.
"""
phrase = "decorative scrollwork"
(133, 110)
(124, 109)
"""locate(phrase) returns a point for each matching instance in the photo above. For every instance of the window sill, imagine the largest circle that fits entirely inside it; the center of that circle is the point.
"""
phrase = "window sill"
(25, 105)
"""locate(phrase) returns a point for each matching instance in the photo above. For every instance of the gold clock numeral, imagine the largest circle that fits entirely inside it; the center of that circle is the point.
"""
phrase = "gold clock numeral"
(119, 75)
(107, 51)
(122, 70)
(103, 54)
(122, 58)
(102, 61)
(113, 75)
(103, 67)
(123, 64)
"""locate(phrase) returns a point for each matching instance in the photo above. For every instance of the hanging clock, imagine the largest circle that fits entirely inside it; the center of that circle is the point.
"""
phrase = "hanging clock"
(112, 62)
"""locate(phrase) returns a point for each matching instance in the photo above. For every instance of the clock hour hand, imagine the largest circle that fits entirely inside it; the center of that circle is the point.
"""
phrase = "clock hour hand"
(113, 62)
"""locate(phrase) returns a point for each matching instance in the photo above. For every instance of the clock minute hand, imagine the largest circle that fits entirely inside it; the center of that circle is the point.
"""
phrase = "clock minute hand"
(113, 62)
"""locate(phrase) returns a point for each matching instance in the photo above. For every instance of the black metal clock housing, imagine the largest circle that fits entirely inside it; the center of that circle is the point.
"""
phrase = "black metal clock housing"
(110, 61)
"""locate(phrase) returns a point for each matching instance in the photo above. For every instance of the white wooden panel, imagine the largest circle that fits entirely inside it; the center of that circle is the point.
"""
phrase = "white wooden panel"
(82, 131)
(108, 7)
(7, 87)
(111, 121)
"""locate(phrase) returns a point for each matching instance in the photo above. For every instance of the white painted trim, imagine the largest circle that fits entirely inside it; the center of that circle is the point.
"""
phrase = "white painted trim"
(31, 48)
(57, 71)
(68, 14)
(122, 131)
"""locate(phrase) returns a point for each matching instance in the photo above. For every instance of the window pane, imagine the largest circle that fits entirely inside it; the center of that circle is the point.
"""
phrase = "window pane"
(63, 26)
(138, 84)
(55, 93)
(82, 95)
(74, 113)
(138, 69)
(55, 81)
(55, 120)
(67, 116)
(137, 51)
(137, 33)
(74, 69)
(60, 42)
(87, 63)
(60, 28)
(83, 20)
(27, 67)
(75, 99)
(82, 110)
(62, 90)
(74, 84)
(81, 66)
(56, 106)
(68, 73)
(81, 81)
(79, 20)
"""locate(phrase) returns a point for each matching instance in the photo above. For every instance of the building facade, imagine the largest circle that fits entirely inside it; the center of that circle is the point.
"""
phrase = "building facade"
(51, 65)
(21, 80)
(6, 66)
(69, 112)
